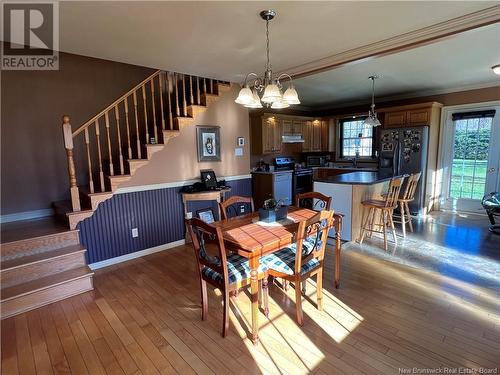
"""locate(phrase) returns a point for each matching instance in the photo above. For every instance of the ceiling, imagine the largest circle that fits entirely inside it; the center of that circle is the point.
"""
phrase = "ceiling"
(225, 40)
(460, 62)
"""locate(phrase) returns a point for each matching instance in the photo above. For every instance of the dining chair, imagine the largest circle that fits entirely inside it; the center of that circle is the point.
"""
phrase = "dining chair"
(298, 266)
(236, 206)
(385, 209)
(225, 272)
(313, 200)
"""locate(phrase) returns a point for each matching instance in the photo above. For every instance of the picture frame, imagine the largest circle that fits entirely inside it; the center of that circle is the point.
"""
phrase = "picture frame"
(241, 141)
(208, 179)
(206, 214)
(208, 143)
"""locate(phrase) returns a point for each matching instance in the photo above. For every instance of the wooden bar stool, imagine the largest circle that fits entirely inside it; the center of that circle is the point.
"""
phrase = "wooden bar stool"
(385, 209)
(408, 196)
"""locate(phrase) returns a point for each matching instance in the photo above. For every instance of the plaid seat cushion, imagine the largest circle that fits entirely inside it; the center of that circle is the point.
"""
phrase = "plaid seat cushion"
(237, 267)
(284, 261)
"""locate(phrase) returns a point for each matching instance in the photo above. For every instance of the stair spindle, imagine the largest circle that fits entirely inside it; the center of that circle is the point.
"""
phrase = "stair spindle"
(98, 140)
(198, 101)
(111, 169)
(145, 112)
(184, 104)
(89, 160)
(138, 138)
(129, 149)
(191, 99)
(119, 135)
(211, 86)
(160, 84)
(155, 129)
(177, 110)
(204, 85)
(170, 119)
(68, 144)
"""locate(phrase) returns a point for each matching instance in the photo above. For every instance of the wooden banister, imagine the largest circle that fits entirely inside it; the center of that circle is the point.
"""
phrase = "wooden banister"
(68, 145)
(110, 107)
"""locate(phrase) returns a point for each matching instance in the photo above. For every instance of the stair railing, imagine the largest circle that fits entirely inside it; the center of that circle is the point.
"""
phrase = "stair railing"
(134, 119)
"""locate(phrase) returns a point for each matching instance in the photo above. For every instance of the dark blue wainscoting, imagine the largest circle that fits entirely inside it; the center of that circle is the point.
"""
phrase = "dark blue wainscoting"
(158, 215)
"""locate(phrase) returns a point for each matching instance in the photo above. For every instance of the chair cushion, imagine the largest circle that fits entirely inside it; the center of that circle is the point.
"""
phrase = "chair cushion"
(237, 267)
(283, 261)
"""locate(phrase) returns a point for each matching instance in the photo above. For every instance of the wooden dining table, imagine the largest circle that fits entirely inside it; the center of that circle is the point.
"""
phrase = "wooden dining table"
(253, 239)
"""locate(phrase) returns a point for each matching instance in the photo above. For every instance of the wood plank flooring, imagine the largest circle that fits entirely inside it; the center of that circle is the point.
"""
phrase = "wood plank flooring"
(144, 318)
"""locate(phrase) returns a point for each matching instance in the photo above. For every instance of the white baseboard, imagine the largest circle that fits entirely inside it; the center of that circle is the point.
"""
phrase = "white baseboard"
(137, 254)
(27, 215)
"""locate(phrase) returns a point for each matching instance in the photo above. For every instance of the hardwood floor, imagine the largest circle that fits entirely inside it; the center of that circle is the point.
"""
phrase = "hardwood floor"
(144, 317)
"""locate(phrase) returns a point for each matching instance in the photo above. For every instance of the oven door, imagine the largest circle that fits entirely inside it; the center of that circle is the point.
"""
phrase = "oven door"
(302, 182)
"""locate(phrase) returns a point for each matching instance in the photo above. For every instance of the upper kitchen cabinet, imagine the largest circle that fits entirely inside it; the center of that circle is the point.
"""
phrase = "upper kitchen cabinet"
(265, 133)
(292, 126)
(315, 136)
(411, 115)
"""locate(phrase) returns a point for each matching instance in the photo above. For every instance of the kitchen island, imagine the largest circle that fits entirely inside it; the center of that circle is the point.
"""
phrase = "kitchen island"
(348, 190)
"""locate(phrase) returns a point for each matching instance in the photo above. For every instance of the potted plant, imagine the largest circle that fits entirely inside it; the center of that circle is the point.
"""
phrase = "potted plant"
(272, 211)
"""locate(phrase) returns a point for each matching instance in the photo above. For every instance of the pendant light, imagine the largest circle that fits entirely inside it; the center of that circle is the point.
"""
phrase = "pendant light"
(372, 119)
(270, 87)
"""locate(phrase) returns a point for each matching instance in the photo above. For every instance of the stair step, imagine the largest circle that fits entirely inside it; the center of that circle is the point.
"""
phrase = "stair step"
(32, 294)
(95, 199)
(168, 134)
(208, 99)
(221, 88)
(75, 217)
(135, 164)
(195, 110)
(35, 266)
(151, 149)
(181, 121)
(35, 245)
(116, 180)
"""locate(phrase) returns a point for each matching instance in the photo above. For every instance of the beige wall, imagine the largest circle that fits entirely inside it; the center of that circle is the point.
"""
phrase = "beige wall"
(178, 161)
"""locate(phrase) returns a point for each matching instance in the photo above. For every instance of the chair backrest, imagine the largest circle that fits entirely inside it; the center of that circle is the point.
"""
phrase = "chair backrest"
(391, 200)
(313, 200)
(208, 246)
(411, 186)
(316, 230)
(236, 206)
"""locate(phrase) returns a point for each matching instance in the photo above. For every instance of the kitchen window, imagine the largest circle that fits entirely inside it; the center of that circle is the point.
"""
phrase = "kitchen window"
(355, 137)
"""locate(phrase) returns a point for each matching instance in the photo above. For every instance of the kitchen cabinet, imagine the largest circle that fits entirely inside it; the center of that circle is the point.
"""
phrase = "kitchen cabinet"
(410, 115)
(314, 136)
(292, 127)
(277, 185)
(266, 132)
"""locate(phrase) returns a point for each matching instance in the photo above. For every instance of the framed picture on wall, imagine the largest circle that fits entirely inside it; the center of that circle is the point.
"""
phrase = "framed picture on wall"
(241, 141)
(208, 139)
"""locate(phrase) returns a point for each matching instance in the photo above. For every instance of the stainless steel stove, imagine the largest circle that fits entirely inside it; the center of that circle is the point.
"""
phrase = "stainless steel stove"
(302, 178)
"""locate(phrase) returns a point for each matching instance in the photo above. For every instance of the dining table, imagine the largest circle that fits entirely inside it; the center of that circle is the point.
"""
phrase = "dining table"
(252, 239)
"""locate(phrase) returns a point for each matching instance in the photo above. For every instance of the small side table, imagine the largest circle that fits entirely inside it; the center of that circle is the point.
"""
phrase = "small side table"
(210, 195)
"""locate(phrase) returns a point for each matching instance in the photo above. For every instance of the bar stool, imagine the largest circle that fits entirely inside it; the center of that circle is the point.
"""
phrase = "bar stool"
(385, 209)
(403, 200)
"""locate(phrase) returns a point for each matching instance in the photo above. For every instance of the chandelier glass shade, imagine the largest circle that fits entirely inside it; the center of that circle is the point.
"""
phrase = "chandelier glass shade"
(268, 86)
(372, 119)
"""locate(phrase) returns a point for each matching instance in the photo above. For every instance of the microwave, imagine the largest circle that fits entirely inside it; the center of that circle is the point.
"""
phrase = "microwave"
(316, 161)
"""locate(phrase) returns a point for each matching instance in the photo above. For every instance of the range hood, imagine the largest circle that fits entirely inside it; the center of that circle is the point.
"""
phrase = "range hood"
(296, 138)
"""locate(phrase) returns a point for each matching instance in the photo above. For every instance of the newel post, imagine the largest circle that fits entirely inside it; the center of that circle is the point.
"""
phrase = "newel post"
(68, 144)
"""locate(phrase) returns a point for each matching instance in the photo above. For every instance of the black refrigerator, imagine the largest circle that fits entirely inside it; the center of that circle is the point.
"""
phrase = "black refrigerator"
(404, 151)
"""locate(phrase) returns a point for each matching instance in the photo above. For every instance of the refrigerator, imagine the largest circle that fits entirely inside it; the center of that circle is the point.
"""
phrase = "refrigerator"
(404, 151)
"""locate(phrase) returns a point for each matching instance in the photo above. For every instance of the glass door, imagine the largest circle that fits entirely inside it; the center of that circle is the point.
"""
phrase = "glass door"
(475, 159)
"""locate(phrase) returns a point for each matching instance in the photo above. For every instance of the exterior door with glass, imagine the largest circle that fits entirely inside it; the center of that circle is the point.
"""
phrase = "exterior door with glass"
(472, 157)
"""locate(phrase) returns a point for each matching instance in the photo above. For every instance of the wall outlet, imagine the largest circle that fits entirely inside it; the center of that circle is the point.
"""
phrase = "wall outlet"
(135, 232)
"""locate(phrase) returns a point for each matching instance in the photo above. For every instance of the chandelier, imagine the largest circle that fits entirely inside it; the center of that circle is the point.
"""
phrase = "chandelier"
(372, 119)
(269, 87)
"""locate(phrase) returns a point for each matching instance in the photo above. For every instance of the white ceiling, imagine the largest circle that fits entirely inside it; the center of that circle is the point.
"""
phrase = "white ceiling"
(226, 39)
(459, 62)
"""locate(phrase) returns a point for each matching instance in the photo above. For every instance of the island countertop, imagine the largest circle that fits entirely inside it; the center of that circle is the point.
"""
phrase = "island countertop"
(357, 178)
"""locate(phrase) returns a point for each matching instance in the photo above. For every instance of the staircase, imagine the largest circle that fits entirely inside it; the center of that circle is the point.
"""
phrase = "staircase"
(41, 270)
(103, 153)
(136, 126)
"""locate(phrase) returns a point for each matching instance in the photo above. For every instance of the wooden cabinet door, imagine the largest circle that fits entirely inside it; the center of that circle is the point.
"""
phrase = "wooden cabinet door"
(277, 134)
(297, 126)
(267, 137)
(395, 119)
(288, 127)
(325, 135)
(316, 136)
(419, 117)
(307, 132)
